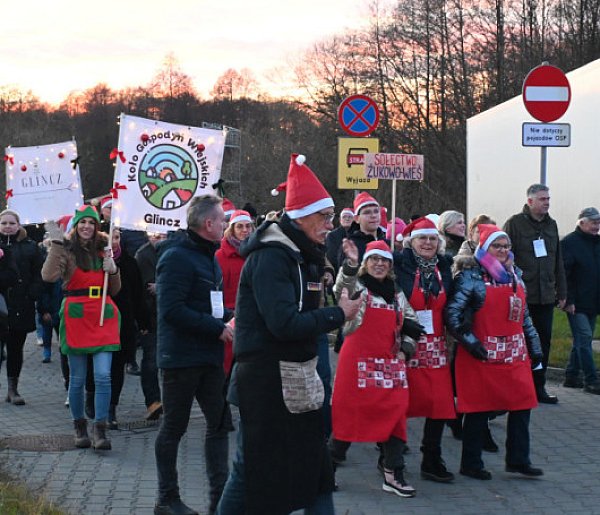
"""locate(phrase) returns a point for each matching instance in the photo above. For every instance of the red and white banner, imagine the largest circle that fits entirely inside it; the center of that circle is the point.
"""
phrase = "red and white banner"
(43, 182)
(160, 167)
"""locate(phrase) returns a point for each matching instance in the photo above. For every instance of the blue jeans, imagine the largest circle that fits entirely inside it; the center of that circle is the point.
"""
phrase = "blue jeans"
(581, 357)
(233, 501)
(78, 373)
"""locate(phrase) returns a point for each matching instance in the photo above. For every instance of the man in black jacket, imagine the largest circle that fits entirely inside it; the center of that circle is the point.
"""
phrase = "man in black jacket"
(282, 463)
(334, 239)
(191, 332)
(581, 254)
(536, 246)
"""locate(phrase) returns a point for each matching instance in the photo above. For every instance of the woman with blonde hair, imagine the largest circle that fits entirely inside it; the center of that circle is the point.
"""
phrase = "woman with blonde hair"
(451, 225)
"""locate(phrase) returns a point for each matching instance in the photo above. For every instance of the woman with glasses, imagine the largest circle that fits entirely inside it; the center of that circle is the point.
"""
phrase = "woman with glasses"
(370, 393)
(498, 346)
(423, 272)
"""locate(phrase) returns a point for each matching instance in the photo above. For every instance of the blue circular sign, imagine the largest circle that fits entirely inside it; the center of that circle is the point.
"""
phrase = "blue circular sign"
(358, 115)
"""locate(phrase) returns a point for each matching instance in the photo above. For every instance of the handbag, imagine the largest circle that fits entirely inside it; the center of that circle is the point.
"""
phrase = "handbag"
(3, 307)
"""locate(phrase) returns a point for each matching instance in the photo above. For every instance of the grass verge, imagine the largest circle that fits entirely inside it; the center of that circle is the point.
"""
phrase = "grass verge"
(562, 341)
(15, 499)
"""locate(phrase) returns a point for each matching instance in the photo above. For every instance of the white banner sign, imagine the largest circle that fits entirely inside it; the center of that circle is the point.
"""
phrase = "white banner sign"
(400, 167)
(43, 183)
(163, 166)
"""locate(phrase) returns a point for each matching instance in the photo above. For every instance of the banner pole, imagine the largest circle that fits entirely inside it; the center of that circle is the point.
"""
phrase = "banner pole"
(393, 220)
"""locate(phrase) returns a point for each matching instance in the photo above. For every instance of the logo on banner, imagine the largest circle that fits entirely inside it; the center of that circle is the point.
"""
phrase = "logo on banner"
(168, 176)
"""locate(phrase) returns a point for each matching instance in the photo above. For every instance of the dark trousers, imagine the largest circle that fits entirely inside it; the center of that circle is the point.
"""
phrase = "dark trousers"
(180, 386)
(149, 370)
(541, 316)
(431, 445)
(324, 371)
(517, 439)
(392, 450)
(14, 342)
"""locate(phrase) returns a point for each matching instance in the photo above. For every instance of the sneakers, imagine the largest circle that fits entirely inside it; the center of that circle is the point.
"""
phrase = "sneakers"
(592, 388)
(573, 382)
(393, 482)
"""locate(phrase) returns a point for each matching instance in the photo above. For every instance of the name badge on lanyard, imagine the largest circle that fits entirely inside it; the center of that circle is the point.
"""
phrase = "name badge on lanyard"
(216, 303)
(425, 317)
(314, 286)
(539, 248)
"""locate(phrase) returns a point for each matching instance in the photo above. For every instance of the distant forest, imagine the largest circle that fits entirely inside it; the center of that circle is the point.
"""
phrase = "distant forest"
(430, 65)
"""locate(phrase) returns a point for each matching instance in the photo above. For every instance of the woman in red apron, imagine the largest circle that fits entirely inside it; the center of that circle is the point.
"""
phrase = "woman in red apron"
(423, 272)
(499, 346)
(81, 262)
(370, 392)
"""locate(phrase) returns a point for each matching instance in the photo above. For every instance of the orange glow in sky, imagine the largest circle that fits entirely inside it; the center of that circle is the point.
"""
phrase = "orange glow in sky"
(59, 46)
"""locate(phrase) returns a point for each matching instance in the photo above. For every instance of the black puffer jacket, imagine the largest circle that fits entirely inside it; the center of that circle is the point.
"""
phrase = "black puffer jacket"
(22, 296)
(469, 296)
(8, 278)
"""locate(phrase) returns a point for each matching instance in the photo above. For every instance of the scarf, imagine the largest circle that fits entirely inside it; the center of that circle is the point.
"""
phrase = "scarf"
(429, 284)
(385, 288)
(234, 242)
(498, 272)
(311, 252)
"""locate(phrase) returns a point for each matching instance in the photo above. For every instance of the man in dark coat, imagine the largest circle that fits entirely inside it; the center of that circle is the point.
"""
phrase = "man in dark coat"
(191, 331)
(581, 253)
(334, 239)
(283, 463)
(536, 246)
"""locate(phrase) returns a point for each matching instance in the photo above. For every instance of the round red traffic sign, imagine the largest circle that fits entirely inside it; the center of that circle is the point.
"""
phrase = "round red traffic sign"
(358, 115)
(546, 93)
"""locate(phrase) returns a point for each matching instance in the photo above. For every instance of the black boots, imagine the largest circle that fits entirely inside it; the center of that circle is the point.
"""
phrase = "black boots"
(100, 441)
(13, 395)
(433, 467)
(82, 440)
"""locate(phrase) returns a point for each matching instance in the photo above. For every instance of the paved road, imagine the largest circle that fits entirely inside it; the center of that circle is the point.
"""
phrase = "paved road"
(123, 481)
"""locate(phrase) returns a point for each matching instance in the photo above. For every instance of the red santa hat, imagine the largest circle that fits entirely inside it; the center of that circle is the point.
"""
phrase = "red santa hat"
(305, 194)
(239, 215)
(379, 248)
(383, 221)
(399, 227)
(106, 202)
(347, 211)
(279, 188)
(363, 199)
(419, 227)
(228, 206)
(488, 233)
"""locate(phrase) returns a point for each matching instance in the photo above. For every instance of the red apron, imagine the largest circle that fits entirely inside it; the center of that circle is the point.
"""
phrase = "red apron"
(504, 382)
(370, 394)
(80, 331)
(429, 378)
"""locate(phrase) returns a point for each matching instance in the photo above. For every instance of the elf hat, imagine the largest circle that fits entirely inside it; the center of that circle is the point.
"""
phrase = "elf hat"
(106, 202)
(347, 211)
(239, 215)
(363, 199)
(378, 248)
(83, 212)
(488, 233)
(419, 227)
(305, 194)
(228, 206)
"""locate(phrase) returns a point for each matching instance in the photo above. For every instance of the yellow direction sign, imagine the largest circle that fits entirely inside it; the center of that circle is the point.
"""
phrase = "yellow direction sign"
(351, 163)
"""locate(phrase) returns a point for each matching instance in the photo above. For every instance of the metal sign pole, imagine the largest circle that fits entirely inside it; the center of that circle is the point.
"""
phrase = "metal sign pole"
(543, 160)
(393, 220)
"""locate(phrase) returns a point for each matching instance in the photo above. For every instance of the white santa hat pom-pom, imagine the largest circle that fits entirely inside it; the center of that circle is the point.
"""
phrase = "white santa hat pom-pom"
(274, 192)
(300, 160)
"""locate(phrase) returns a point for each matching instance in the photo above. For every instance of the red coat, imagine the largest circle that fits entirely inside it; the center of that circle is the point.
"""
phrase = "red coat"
(231, 264)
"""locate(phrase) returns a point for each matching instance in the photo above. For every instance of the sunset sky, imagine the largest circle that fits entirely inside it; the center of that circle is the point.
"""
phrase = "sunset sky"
(55, 47)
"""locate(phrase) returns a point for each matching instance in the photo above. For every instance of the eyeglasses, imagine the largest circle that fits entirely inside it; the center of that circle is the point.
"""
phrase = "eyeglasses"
(327, 217)
(501, 246)
(378, 259)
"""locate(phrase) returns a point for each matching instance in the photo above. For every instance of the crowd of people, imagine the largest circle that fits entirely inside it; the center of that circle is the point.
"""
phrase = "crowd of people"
(434, 319)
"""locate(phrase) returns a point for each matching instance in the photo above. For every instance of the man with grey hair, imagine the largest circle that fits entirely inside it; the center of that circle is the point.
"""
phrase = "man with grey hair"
(581, 252)
(191, 332)
(536, 247)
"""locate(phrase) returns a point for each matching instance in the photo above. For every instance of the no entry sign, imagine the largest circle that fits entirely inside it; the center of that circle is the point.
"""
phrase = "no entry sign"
(358, 115)
(546, 93)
